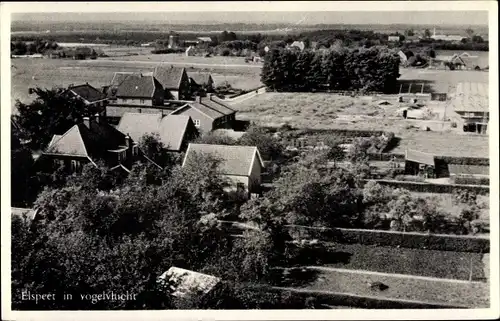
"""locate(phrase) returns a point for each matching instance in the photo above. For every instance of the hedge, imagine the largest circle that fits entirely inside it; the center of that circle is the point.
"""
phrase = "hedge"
(470, 180)
(358, 301)
(433, 188)
(465, 160)
(439, 242)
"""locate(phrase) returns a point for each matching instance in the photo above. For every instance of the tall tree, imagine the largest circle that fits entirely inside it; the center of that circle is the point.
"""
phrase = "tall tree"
(51, 113)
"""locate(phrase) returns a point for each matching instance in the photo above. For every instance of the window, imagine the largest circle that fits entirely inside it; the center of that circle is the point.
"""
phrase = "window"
(197, 122)
(124, 100)
(58, 163)
(240, 186)
(75, 165)
(122, 156)
(135, 150)
(142, 101)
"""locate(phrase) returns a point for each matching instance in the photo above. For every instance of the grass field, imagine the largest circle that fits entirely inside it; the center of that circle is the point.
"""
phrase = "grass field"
(433, 291)
(49, 73)
(452, 265)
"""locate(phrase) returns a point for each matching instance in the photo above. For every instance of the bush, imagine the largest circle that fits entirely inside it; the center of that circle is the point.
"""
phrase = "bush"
(167, 51)
(409, 178)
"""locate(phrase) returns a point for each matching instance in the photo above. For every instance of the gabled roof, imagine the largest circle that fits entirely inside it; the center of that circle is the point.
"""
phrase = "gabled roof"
(82, 141)
(139, 87)
(235, 160)
(200, 78)
(208, 106)
(420, 157)
(475, 170)
(87, 92)
(171, 128)
(169, 76)
(298, 44)
(119, 77)
(29, 213)
(186, 282)
(471, 97)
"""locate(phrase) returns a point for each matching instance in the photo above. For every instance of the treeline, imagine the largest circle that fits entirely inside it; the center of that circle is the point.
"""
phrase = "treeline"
(373, 69)
(30, 48)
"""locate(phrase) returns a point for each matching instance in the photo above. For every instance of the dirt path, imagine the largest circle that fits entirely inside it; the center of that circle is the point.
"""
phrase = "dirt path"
(405, 276)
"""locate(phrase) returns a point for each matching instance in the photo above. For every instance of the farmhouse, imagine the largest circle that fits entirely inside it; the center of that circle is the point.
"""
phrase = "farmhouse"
(419, 163)
(208, 113)
(182, 283)
(174, 131)
(91, 96)
(175, 82)
(140, 90)
(471, 103)
(242, 165)
(201, 80)
(91, 141)
(469, 174)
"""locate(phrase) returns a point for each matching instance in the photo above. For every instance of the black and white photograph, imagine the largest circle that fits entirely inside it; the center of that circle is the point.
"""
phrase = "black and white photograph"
(256, 156)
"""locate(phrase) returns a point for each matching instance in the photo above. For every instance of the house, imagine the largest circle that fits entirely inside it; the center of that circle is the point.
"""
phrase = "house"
(419, 163)
(242, 165)
(175, 82)
(204, 39)
(91, 141)
(175, 131)
(92, 97)
(140, 90)
(393, 38)
(298, 44)
(469, 174)
(182, 283)
(28, 213)
(471, 104)
(208, 113)
(201, 80)
(118, 78)
(80, 53)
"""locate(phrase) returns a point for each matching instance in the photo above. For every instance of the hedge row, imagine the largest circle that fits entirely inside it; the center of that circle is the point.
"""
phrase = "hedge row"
(465, 160)
(336, 132)
(469, 180)
(440, 242)
(433, 188)
(358, 301)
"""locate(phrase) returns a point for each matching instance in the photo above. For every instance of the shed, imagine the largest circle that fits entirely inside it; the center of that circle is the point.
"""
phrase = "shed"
(419, 163)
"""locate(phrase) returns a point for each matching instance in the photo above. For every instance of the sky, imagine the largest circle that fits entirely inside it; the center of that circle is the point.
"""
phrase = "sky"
(304, 18)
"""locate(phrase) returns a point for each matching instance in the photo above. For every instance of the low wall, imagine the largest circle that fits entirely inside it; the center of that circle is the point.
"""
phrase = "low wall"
(433, 188)
(440, 242)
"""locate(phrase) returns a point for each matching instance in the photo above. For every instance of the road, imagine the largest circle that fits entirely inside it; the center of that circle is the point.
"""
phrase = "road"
(156, 63)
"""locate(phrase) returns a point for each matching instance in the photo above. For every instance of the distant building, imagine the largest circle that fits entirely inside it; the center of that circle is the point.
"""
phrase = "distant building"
(202, 40)
(190, 51)
(174, 80)
(208, 113)
(452, 38)
(394, 38)
(471, 103)
(174, 131)
(173, 41)
(140, 90)
(298, 44)
(201, 80)
(242, 165)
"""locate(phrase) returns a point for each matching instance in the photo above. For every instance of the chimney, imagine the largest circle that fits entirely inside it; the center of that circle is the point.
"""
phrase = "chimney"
(86, 121)
(128, 141)
(96, 116)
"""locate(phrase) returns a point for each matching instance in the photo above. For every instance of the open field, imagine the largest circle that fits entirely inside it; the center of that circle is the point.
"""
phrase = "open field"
(329, 111)
(146, 55)
(48, 73)
(452, 265)
(473, 294)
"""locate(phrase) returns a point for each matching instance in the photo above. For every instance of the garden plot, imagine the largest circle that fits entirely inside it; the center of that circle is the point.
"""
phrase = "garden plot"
(470, 294)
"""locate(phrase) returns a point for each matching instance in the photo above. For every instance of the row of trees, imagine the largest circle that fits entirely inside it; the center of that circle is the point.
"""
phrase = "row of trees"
(373, 69)
(33, 47)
